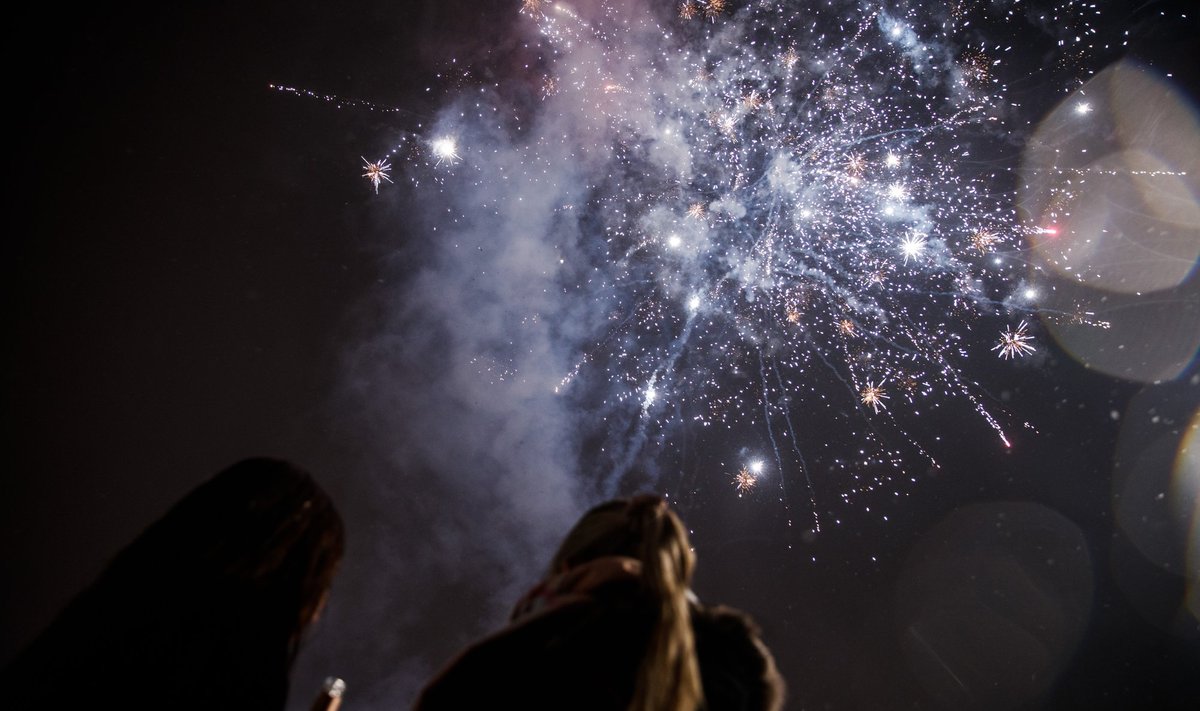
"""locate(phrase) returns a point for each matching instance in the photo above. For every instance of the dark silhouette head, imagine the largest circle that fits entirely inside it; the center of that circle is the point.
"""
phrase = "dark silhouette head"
(738, 670)
(208, 604)
(259, 531)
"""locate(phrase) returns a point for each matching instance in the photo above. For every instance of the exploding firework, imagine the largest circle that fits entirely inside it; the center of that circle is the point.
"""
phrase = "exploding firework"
(872, 396)
(744, 480)
(1015, 342)
(781, 214)
(913, 246)
(445, 149)
(377, 172)
(983, 241)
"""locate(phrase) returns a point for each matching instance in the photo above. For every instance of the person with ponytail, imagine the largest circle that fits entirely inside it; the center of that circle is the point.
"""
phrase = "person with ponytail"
(610, 628)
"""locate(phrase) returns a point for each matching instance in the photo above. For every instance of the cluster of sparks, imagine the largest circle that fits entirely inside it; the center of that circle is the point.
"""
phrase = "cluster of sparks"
(788, 229)
(872, 396)
(747, 477)
(1015, 342)
(377, 172)
(744, 480)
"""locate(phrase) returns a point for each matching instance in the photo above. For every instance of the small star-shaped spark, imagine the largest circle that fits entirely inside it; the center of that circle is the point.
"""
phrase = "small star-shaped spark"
(1015, 342)
(790, 57)
(872, 396)
(377, 172)
(912, 246)
(855, 165)
(983, 240)
(744, 480)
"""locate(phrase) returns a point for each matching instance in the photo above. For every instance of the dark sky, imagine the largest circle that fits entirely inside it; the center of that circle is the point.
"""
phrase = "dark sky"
(197, 274)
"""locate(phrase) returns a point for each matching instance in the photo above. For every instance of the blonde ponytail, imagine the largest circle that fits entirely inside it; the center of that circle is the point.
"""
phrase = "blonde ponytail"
(669, 676)
(644, 528)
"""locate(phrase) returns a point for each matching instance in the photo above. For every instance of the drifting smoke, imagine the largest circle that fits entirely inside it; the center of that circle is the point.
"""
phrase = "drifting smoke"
(479, 474)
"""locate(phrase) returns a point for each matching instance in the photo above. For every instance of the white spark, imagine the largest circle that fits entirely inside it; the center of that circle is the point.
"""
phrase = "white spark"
(445, 148)
(912, 246)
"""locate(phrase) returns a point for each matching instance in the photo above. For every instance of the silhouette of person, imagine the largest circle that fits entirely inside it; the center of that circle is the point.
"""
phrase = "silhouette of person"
(614, 626)
(736, 668)
(204, 609)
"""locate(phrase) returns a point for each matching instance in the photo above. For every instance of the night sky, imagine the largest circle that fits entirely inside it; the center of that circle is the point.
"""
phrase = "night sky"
(198, 273)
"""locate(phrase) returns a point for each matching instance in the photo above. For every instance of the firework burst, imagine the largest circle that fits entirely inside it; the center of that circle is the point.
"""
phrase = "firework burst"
(872, 396)
(377, 172)
(806, 223)
(744, 481)
(1015, 342)
(445, 149)
(984, 241)
(780, 215)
